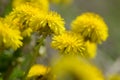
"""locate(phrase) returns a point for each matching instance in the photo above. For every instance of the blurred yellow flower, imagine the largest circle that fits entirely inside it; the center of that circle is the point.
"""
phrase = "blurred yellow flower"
(37, 70)
(17, 2)
(69, 43)
(20, 18)
(114, 77)
(74, 68)
(91, 49)
(50, 22)
(42, 4)
(9, 38)
(91, 26)
(64, 2)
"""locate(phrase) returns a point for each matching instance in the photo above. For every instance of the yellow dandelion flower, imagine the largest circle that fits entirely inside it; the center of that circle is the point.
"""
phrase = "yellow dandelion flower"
(50, 22)
(9, 38)
(69, 43)
(114, 77)
(20, 18)
(91, 49)
(74, 68)
(38, 70)
(41, 4)
(26, 9)
(91, 26)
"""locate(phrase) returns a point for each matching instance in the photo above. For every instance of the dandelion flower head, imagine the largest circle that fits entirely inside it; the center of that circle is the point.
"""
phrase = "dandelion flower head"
(9, 38)
(41, 4)
(69, 43)
(38, 70)
(91, 26)
(50, 22)
(20, 18)
(76, 69)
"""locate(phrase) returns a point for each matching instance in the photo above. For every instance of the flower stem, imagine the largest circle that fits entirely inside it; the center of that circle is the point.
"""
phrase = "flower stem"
(35, 55)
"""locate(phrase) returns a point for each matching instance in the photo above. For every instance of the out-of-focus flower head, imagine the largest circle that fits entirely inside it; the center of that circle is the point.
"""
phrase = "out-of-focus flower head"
(91, 49)
(42, 4)
(63, 2)
(91, 26)
(75, 68)
(38, 70)
(20, 17)
(69, 43)
(48, 23)
(9, 37)
(18, 2)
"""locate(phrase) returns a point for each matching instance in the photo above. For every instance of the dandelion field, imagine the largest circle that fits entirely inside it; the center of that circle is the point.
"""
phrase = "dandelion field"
(59, 40)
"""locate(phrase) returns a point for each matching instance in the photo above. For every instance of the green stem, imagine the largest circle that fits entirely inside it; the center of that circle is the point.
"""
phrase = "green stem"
(35, 55)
